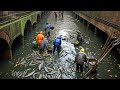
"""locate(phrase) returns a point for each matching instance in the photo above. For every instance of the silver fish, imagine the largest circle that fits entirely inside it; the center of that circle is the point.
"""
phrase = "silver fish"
(12, 72)
(53, 72)
(30, 73)
(31, 63)
(46, 69)
(40, 76)
(40, 66)
(38, 61)
(34, 77)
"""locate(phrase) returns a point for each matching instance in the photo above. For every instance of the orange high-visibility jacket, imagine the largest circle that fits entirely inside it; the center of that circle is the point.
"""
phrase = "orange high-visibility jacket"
(39, 37)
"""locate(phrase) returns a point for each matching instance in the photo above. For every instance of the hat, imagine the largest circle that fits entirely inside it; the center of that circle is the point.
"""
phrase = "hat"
(41, 32)
(82, 50)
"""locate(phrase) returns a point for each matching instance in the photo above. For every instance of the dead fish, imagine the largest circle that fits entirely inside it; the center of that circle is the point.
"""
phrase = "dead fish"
(25, 72)
(31, 63)
(12, 72)
(30, 73)
(68, 77)
(38, 61)
(50, 68)
(17, 74)
(44, 76)
(116, 76)
(46, 69)
(108, 70)
(22, 59)
(34, 75)
(22, 63)
(40, 76)
(38, 58)
(20, 74)
(40, 66)
(111, 75)
(53, 72)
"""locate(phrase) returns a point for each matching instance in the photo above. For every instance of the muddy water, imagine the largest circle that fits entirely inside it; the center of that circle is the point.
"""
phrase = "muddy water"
(67, 27)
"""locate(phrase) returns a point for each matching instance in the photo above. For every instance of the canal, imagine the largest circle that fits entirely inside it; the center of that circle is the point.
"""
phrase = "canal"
(25, 66)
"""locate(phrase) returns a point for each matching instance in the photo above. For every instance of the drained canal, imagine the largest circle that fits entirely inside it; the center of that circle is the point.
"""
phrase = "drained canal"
(28, 64)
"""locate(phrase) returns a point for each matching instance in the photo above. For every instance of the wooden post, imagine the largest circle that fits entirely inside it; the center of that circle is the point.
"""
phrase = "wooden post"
(88, 24)
(83, 21)
(95, 32)
(80, 19)
(76, 16)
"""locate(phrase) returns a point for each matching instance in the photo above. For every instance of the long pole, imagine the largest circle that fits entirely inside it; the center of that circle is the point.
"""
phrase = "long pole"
(104, 55)
(105, 46)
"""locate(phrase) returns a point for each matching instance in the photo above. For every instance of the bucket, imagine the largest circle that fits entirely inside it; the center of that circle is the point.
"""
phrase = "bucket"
(35, 44)
(51, 28)
(91, 64)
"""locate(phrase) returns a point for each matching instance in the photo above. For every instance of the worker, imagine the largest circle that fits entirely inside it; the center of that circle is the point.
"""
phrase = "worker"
(62, 12)
(55, 13)
(79, 38)
(39, 38)
(43, 46)
(47, 29)
(80, 58)
(57, 44)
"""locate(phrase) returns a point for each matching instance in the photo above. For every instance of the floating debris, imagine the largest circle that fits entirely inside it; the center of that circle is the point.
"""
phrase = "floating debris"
(111, 75)
(116, 76)
(108, 70)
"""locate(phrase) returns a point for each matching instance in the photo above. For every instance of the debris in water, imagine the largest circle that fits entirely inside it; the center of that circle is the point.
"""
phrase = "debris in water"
(116, 76)
(108, 70)
(111, 75)
(38, 58)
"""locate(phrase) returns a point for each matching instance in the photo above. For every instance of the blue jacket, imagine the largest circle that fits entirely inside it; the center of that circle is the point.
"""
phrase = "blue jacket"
(57, 41)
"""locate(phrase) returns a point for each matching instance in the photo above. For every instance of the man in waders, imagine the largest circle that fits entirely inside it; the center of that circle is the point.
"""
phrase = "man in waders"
(43, 46)
(48, 27)
(55, 14)
(57, 44)
(79, 38)
(80, 58)
(62, 13)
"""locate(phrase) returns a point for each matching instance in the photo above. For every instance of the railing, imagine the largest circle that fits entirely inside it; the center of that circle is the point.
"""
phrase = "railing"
(102, 20)
(13, 16)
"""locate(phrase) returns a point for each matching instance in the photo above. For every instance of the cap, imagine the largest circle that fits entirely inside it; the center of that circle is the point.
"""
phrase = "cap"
(82, 50)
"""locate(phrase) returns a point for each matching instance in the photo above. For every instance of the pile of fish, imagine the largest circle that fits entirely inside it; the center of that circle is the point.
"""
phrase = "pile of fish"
(47, 66)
